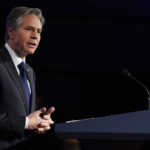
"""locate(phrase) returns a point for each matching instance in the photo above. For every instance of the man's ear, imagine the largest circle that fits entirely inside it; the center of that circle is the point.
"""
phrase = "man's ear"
(11, 32)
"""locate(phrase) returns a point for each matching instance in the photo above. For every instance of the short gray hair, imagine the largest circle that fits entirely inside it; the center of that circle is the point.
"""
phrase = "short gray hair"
(14, 18)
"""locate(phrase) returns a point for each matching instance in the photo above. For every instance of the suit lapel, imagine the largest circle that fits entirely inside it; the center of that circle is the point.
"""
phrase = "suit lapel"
(14, 75)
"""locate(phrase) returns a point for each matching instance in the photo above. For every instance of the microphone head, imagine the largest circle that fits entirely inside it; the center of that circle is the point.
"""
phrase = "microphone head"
(126, 72)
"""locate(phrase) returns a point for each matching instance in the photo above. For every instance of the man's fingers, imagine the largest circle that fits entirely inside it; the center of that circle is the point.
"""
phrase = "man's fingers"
(50, 111)
(46, 117)
(42, 129)
(48, 123)
(44, 124)
(42, 110)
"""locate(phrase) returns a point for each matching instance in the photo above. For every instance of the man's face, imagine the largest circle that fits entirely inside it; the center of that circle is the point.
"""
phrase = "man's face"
(25, 39)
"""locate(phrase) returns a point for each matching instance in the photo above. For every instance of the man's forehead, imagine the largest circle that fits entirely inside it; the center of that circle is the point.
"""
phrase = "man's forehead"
(31, 20)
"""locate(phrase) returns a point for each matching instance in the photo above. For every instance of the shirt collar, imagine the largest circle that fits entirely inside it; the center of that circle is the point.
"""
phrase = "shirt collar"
(16, 59)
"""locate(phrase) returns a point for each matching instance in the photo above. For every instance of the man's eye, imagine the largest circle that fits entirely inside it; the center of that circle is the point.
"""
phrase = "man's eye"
(39, 31)
(28, 28)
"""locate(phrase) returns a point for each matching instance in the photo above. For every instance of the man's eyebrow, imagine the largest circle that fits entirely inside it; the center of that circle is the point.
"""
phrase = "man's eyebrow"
(29, 26)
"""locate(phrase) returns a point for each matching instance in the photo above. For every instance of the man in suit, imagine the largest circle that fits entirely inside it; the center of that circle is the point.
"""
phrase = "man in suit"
(18, 117)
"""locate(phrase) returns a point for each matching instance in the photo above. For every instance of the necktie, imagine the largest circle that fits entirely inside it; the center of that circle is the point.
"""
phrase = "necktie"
(23, 76)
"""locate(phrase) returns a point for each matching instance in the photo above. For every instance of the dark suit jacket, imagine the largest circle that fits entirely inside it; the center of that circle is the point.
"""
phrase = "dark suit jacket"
(13, 103)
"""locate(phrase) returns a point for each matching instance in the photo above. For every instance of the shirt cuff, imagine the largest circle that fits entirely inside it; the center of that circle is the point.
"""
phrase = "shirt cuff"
(26, 123)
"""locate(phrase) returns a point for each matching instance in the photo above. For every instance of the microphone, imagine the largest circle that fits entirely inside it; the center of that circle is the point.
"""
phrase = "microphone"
(126, 72)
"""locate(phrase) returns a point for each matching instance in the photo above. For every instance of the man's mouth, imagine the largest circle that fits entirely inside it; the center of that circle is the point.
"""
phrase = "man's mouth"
(32, 45)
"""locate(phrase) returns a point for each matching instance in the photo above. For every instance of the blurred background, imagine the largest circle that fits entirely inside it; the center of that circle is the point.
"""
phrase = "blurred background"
(85, 46)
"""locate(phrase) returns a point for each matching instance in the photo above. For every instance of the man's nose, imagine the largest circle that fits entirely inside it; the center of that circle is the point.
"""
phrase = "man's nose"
(34, 35)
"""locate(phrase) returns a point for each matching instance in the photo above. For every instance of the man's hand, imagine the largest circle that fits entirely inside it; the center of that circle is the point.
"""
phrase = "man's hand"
(47, 114)
(40, 124)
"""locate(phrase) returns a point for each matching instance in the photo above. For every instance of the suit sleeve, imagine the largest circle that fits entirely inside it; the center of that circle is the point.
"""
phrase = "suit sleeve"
(11, 126)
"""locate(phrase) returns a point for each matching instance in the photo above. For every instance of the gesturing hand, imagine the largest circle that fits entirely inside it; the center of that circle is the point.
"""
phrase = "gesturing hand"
(47, 115)
(40, 124)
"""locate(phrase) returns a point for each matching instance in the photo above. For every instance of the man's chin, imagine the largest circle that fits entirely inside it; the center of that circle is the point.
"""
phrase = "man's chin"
(30, 52)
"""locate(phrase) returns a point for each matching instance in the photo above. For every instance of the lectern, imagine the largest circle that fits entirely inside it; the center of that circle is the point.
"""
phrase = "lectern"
(133, 127)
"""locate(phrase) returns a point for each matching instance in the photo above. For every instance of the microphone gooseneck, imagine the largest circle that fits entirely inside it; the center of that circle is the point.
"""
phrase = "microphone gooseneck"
(126, 72)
